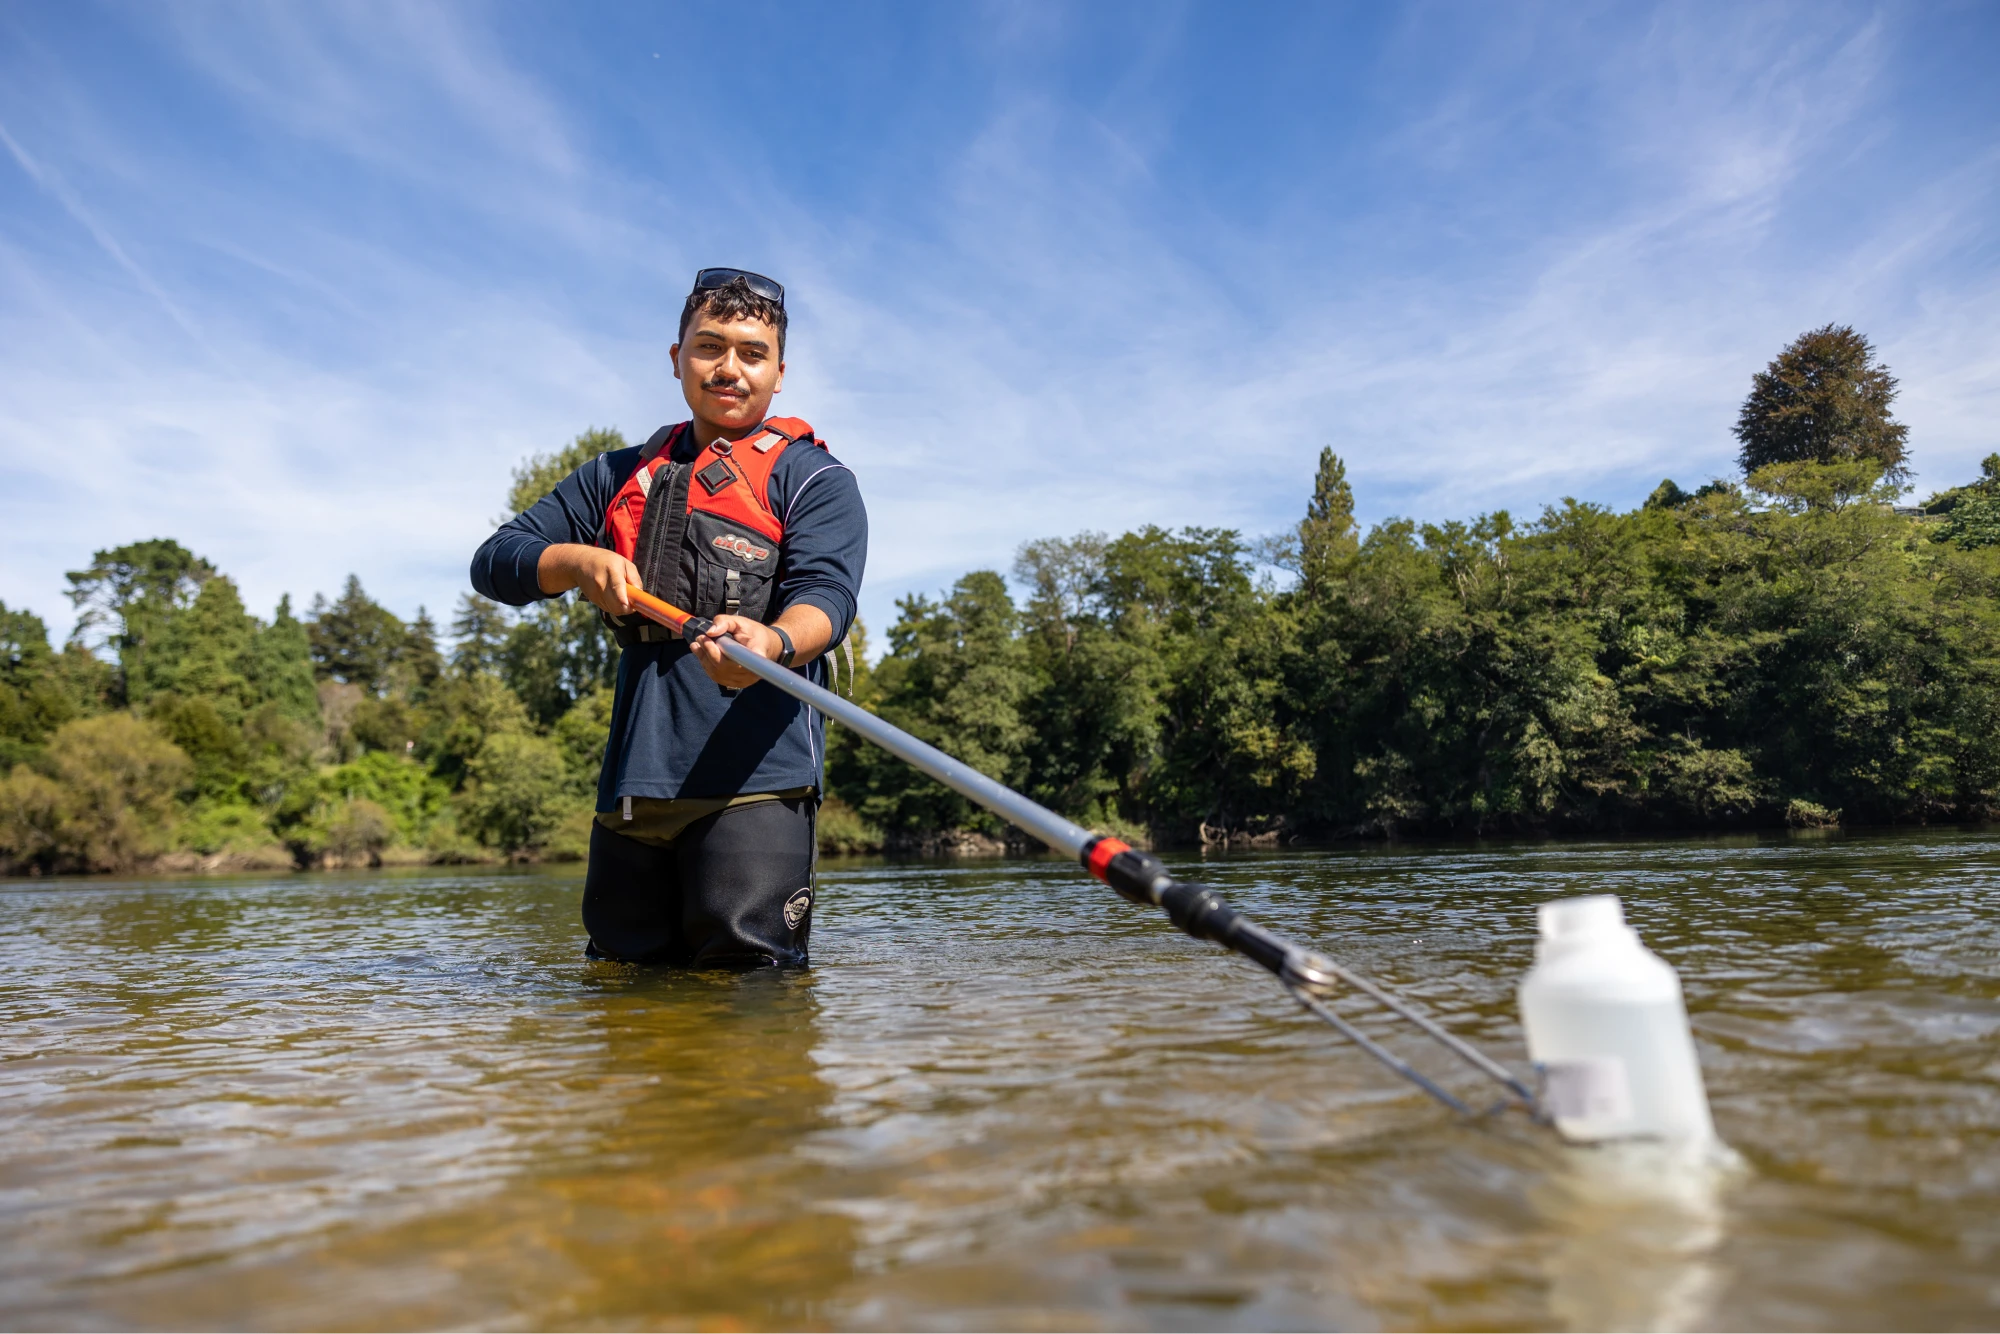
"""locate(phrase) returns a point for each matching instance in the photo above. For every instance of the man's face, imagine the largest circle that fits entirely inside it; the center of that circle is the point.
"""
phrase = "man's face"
(728, 370)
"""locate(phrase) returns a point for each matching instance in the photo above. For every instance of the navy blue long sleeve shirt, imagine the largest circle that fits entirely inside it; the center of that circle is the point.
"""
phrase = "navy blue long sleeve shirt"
(674, 731)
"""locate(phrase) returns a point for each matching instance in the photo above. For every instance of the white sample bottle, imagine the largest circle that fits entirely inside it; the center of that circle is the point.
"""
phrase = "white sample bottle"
(1606, 1023)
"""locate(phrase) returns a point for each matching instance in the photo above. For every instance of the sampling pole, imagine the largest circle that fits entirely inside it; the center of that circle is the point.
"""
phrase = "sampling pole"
(1140, 877)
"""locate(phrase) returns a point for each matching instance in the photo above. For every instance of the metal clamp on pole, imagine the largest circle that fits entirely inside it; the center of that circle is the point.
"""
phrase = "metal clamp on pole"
(1312, 978)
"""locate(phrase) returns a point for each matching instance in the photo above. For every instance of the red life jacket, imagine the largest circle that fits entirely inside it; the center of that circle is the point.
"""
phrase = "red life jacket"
(703, 533)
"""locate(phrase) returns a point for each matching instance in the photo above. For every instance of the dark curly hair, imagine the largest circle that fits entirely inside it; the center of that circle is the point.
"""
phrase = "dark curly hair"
(734, 301)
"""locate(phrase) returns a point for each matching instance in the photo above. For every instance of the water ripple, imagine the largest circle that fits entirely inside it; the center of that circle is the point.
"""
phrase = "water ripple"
(1002, 1098)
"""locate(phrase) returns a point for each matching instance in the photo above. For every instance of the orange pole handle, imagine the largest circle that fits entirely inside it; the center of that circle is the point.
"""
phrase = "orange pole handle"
(655, 609)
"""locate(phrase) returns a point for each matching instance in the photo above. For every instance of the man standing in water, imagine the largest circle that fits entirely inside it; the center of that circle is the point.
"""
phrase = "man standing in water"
(703, 849)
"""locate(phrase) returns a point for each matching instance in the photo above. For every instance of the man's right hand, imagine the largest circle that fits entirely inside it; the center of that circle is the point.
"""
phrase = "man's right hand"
(600, 575)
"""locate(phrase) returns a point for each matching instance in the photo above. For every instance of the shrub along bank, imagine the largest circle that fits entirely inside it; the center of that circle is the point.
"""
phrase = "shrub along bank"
(1791, 650)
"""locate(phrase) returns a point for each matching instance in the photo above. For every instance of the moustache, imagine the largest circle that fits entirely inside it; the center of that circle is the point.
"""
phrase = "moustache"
(734, 386)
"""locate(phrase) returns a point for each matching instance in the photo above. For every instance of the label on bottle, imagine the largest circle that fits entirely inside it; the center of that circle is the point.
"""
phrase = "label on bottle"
(1593, 1088)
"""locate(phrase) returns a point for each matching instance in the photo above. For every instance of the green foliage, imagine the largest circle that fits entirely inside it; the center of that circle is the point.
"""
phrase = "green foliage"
(1726, 656)
(126, 596)
(1974, 522)
(464, 712)
(1799, 487)
(351, 832)
(378, 748)
(479, 632)
(581, 733)
(1327, 536)
(956, 676)
(280, 666)
(1971, 513)
(1092, 710)
(1824, 399)
(412, 797)
(211, 827)
(420, 663)
(346, 735)
(34, 700)
(1229, 753)
(1667, 496)
(356, 640)
(1694, 664)
(538, 476)
(102, 798)
(558, 652)
(207, 650)
(841, 830)
(519, 794)
(214, 744)
(1784, 651)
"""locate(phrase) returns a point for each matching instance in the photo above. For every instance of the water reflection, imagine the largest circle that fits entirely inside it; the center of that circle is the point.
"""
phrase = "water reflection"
(663, 1190)
(436, 1113)
(1638, 1231)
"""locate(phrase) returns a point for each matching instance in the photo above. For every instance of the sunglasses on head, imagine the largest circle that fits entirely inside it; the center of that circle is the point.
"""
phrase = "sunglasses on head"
(710, 279)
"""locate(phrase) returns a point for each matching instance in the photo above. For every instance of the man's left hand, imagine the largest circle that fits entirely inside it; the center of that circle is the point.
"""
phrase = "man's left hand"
(759, 638)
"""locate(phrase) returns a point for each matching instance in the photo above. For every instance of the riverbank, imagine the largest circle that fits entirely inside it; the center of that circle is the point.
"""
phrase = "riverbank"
(843, 835)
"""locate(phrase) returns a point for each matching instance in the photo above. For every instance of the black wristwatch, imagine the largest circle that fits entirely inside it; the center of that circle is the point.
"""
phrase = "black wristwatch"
(785, 653)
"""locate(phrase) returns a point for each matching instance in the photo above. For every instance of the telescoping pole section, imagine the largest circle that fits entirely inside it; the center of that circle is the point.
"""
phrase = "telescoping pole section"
(1138, 876)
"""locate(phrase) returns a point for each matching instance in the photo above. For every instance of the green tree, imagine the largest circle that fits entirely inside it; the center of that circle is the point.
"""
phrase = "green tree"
(479, 633)
(1667, 495)
(1091, 711)
(1971, 513)
(33, 701)
(582, 734)
(421, 660)
(103, 799)
(519, 794)
(1327, 536)
(1230, 757)
(356, 640)
(280, 666)
(1824, 399)
(280, 778)
(413, 797)
(464, 713)
(126, 596)
(213, 743)
(345, 832)
(205, 650)
(558, 652)
(538, 475)
(955, 675)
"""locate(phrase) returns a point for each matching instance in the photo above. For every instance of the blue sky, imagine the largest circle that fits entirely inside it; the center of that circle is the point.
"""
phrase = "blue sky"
(299, 284)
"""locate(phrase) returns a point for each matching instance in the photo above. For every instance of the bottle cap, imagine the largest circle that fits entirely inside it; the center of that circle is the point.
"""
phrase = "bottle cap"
(1569, 923)
(1581, 917)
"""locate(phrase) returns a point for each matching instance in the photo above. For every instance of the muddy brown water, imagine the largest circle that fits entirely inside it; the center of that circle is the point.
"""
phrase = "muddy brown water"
(1002, 1098)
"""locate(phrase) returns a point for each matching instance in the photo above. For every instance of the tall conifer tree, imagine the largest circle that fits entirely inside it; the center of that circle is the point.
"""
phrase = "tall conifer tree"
(1824, 399)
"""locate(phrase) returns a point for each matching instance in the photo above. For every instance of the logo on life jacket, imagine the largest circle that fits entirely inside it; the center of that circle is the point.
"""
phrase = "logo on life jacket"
(736, 546)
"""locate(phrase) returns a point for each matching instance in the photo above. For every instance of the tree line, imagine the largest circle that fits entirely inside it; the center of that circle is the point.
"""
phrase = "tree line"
(1787, 647)
(177, 730)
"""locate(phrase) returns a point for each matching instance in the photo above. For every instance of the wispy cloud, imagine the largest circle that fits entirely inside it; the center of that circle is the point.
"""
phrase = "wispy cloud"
(59, 190)
(1063, 270)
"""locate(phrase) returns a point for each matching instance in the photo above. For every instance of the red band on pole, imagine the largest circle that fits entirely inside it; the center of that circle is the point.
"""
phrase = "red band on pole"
(1101, 853)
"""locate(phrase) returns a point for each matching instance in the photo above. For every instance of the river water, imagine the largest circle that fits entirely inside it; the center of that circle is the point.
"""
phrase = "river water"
(1002, 1098)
